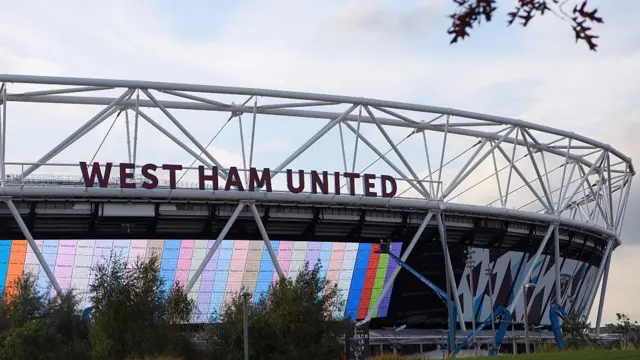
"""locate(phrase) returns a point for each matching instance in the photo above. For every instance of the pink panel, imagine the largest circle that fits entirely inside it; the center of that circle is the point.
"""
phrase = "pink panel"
(285, 250)
(236, 270)
(335, 263)
(64, 262)
(184, 261)
(137, 250)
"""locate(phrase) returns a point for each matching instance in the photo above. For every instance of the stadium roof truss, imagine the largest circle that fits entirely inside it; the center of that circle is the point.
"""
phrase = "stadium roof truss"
(445, 160)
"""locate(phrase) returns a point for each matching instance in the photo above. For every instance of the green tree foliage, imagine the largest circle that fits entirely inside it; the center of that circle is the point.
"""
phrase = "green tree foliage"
(33, 326)
(627, 330)
(575, 332)
(134, 314)
(293, 319)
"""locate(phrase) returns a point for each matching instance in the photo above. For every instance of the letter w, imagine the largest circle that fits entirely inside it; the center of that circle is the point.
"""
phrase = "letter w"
(90, 180)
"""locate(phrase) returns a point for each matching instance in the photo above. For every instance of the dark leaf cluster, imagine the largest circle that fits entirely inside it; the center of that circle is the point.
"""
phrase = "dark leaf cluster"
(134, 312)
(293, 319)
(627, 330)
(470, 13)
(135, 315)
(35, 326)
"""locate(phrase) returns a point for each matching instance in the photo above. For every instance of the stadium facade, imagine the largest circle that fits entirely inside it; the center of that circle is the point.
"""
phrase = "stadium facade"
(504, 209)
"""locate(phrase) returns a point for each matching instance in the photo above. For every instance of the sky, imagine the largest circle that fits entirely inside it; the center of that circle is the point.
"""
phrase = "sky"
(380, 49)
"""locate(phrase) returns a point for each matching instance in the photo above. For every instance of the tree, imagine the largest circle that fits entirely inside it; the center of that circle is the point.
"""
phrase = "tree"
(575, 332)
(34, 326)
(627, 331)
(293, 319)
(133, 312)
(472, 12)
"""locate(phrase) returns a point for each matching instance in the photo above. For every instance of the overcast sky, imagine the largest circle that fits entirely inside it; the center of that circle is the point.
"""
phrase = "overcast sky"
(382, 49)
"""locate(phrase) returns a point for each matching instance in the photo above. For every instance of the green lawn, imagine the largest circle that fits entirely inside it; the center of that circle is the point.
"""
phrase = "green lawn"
(577, 355)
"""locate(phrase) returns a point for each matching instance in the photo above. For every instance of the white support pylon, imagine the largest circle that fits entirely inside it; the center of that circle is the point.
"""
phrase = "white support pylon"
(32, 244)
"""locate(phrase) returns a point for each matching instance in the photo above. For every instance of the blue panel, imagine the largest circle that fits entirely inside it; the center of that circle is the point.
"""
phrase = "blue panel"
(357, 281)
(169, 262)
(325, 257)
(5, 252)
(50, 253)
(220, 282)
(265, 276)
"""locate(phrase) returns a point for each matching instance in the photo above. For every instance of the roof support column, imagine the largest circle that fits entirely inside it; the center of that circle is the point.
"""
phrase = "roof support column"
(532, 264)
(215, 246)
(453, 287)
(265, 237)
(32, 244)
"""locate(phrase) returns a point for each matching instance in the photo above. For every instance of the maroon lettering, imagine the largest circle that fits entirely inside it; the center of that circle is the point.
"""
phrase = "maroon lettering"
(202, 177)
(368, 185)
(90, 180)
(300, 186)
(147, 172)
(233, 179)
(336, 183)
(172, 173)
(317, 182)
(352, 181)
(126, 175)
(256, 181)
(394, 187)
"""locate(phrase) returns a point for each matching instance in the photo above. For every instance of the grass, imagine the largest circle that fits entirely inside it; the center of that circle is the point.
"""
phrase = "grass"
(565, 355)
(577, 355)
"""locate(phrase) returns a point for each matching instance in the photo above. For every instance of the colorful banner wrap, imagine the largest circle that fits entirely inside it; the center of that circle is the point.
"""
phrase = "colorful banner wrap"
(358, 270)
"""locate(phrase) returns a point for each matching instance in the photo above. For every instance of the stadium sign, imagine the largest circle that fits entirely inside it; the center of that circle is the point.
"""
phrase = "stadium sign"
(320, 182)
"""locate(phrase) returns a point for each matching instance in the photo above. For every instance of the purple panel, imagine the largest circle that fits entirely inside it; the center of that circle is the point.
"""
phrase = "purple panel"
(206, 282)
(384, 304)
(313, 253)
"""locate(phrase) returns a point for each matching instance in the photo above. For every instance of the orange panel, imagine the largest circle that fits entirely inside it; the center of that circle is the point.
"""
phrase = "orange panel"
(16, 265)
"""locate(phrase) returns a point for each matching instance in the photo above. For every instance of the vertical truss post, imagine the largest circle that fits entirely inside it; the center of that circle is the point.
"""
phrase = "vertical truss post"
(135, 129)
(32, 244)
(545, 191)
(325, 129)
(444, 147)
(126, 120)
(355, 146)
(253, 130)
(244, 156)
(215, 246)
(584, 178)
(513, 156)
(464, 173)
(556, 255)
(527, 276)
(524, 179)
(185, 131)
(267, 241)
(396, 270)
(373, 148)
(449, 271)
(178, 142)
(564, 173)
(623, 208)
(594, 287)
(397, 151)
(603, 293)
(92, 123)
(4, 134)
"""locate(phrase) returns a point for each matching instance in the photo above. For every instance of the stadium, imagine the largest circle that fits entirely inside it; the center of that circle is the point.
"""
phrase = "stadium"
(233, 187)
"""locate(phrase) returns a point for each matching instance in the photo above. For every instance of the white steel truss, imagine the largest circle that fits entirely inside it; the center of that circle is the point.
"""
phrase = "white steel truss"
(442, 159)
